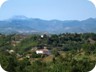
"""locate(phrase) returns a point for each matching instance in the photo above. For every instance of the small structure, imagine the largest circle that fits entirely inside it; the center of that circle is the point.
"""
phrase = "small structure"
(43, 51)
(42, 36)
(18, 55)
(28, 56)
(11, 51)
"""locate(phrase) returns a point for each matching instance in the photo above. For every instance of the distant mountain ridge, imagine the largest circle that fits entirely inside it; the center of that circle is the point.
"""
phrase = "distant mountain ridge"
(22, 24)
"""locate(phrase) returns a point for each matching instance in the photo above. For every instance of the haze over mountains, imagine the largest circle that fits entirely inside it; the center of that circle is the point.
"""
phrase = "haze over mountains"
(22, 24)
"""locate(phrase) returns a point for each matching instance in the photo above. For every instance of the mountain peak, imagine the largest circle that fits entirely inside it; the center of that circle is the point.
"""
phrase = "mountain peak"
(19, 17)
(91, 19)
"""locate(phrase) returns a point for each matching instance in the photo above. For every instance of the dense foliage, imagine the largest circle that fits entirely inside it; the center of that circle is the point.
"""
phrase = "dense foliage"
(69, 52)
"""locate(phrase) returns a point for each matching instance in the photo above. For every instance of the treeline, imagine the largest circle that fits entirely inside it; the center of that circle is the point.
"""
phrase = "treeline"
(63, 42)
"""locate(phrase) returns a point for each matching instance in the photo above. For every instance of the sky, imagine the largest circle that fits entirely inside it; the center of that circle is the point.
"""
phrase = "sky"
(48, 9)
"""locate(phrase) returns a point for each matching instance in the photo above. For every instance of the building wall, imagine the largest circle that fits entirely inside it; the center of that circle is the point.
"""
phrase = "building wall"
(39, 52)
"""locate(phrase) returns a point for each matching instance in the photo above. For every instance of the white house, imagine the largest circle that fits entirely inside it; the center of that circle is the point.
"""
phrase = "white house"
(43, 51)
(39, 52)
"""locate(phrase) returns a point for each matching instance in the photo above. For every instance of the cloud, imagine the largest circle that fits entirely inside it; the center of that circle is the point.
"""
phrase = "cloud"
(93, 2)
(2, 2)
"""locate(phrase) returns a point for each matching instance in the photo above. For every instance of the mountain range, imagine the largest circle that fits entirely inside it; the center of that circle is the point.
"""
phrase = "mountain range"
(22, 24)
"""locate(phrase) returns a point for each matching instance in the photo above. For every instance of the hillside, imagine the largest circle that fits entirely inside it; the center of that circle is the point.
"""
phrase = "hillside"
(21, 24)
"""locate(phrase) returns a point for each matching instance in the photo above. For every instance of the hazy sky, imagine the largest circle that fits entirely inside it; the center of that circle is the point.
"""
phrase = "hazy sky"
(49, 9)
